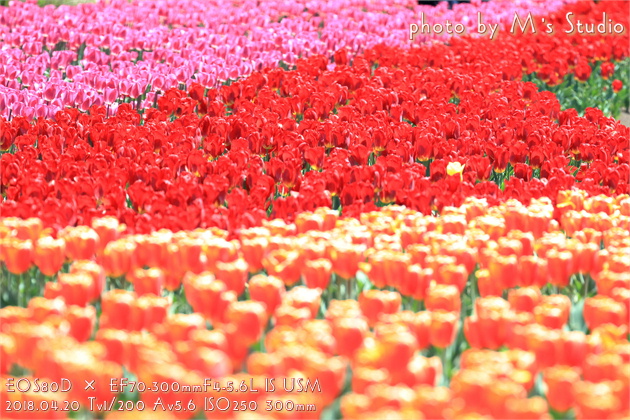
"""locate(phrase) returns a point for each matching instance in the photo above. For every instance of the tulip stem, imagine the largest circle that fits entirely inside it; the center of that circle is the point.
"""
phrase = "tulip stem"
(350, 288)
(21, 287)
(585, 285)
(338, 282)
(445, 365)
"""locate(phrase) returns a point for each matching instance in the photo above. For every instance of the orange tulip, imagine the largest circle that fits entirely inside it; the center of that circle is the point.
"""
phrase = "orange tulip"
(374, 303)
(455, 275)
(415, 282)
(504, 270)
(596, 400)
(147, 312)
(524, 299)
(285, 265)
(545, 342)
(508, 247)
(116, 309)
(173, 373)
(388, 397)
(584, 256)
(607, 281)
(118, 257)
(95, 271)
(179, 327)
(211, 339)
(7, 353)
(433, 401)
(49, 255)
(82, 321)
(525, 238)
(250, 318)
(526, 408)
(600, 310)
(76, 288)
(346, 258)
(349, 334)
(148, 281)
(153, 250)
(108, 229)
(81, 242)
(338, 309)
(560, 380)
(25, 229)
(422, 371)
(443, 297)
(233, 274)
(533, 271)
(267, 289)
(398, 348)
(237, 348)
(488, 326)
(308, 221)
(217, 249)
(190, 250)
(11, 315)
(487, 285)
(499, 393)
(560, 266)
(364, 377)
(419, 253)
(28, 335)
(622, 296)
(52, 290)
(318, 334)
(115, 343)
(553, 311)
(41, 308)
(355, 406)
(253, 251)
(211, 363)
(610, 336)
(208, 296)
(303, 297)
(316, 273)
(18, 255)
(266, 364)
(574, 346)
(443, 328)
(602, 367)
(288, 315)
(471, 386)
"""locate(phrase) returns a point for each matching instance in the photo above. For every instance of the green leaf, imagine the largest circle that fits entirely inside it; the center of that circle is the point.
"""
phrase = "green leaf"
(363, 282)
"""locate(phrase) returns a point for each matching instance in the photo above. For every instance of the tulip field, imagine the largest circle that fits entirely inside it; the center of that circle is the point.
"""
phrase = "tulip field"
(314, 209)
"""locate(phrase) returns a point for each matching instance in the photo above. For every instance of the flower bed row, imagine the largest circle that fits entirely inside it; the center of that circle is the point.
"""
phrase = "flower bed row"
(498, 311)
(381, 128)
(96, 54)
(232, 171)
